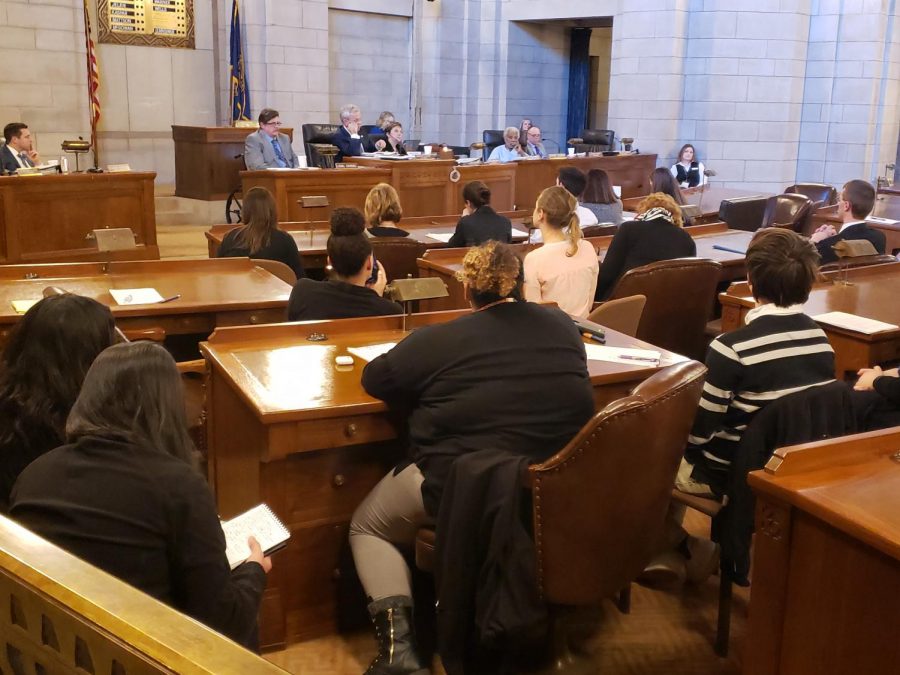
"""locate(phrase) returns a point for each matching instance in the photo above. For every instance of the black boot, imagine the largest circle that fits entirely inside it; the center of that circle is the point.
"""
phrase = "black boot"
(397, 653)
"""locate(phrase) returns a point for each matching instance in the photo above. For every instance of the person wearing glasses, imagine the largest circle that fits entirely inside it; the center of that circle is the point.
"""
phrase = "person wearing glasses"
(533, 146)
(268, 148)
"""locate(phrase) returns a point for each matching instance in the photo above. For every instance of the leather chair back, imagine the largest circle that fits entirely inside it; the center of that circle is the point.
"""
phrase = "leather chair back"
(791, 211)
(319, 134)
(680, 298)
(491, 138)
(278, 269)
(398, 255)
(743, 213)
(623, 315)
(859, 261)
(816, 192)
(598, 230)
(600, 502)
(596, 140)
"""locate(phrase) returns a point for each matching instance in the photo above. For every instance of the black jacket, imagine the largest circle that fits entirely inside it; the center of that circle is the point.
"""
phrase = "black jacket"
(320, 300)
(147, 518)
(857, 231)
(281, 247)
(483, 225)
(485, 563)
(641, 242)
(347, 146)
(7, 160)
(810, 415)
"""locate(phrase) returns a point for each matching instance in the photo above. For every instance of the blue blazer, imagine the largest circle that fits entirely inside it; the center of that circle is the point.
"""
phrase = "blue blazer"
(8, 160)
(347, 146)
(857, 231)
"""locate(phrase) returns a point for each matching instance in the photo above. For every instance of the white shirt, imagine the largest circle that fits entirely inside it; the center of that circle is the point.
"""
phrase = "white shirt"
(585, 216)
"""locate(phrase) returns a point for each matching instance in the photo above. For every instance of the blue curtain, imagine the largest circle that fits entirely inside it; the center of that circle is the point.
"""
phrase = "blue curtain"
(579, 81)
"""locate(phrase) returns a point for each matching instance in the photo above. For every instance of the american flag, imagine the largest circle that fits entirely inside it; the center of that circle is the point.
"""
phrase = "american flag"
(93, 73)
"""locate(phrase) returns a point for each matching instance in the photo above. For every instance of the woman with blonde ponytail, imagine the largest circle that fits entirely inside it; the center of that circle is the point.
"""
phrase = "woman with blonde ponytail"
(564, 270)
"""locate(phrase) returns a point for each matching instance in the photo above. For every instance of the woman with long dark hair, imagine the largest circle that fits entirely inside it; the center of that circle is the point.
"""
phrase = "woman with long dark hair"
(259, 236)
(125, 495)
(41, 371)
(688, 171)
(600, 198)
(479, 222)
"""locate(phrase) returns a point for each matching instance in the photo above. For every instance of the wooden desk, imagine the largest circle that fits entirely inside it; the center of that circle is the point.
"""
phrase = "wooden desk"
(826, 559)
(707, 200)
(445, 263)
(312, 237)
(206, 166)
(887, 205)
(214, 293)
(425, 187)
(289, 428)
(343, 187)
(873, 294)
(50, 218)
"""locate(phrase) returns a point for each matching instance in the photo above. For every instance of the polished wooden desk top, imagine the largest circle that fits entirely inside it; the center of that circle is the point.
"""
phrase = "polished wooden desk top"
(872, 294)
(851, 483)
(263, 363)
(204, 285)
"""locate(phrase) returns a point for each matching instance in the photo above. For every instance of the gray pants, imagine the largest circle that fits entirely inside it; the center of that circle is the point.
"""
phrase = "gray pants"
(386, 520)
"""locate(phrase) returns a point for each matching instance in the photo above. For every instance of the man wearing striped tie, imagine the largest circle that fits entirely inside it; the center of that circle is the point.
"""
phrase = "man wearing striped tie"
(268, 148)
(19, 150)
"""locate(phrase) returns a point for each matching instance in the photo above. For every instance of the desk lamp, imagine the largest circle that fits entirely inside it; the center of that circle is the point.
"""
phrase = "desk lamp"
(407, 290)
(79, 147)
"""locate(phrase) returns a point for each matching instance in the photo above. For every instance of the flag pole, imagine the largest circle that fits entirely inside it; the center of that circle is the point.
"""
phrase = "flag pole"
(91, 67)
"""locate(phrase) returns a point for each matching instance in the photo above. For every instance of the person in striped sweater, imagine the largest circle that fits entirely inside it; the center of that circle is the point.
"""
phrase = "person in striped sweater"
(779, 351)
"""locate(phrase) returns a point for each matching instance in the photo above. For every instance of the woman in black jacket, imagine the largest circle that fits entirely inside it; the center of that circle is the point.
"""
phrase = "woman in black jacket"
(125, 495)
(479, 222)
(655, 234)
(41, 371)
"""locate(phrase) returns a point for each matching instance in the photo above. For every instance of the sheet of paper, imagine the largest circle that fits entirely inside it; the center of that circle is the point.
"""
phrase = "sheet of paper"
(855, 322)
(631, 357)
(440, 236)
(135, 296)
(628, 215)
(883, 221)
(258, 522)
(371, 352)
(22, 306)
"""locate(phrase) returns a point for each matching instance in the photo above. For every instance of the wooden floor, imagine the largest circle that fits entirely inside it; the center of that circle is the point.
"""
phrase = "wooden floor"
(666, 633)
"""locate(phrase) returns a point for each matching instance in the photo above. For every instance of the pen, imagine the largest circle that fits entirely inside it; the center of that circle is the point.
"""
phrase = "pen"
(174, 297)
(595, 338)
(718, 247)
(629, 357)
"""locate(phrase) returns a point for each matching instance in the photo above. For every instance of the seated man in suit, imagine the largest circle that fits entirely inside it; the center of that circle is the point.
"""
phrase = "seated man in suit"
(268, 148)
(856, 202)
(533, 145)
(348, 139)
(19, 150)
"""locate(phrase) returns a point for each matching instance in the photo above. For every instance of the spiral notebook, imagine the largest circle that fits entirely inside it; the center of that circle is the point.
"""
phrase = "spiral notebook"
(258, 522)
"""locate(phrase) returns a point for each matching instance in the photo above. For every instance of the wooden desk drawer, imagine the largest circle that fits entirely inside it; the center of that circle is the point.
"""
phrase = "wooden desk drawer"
(327, 485)
(251, 317)
(172, 324)
(335, 432)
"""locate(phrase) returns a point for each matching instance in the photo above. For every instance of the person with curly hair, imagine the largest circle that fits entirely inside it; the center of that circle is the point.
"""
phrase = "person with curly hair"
(657, 233)
(455, 379)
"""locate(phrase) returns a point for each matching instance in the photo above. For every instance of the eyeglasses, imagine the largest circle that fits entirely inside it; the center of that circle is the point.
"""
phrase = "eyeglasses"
(272, 124)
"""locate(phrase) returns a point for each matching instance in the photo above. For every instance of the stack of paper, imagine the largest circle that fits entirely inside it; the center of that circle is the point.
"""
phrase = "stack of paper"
(371, 352)
(860, 324)
(440, 236)
(22, 306)
(135, 296)
(631, 357)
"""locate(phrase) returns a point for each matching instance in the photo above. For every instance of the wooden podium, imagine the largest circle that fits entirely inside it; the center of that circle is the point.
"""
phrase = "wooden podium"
(52, 218)
(826, 559)
(206, 166)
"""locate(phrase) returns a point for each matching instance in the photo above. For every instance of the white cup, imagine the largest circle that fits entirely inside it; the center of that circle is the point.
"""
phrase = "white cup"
(426, 149)
(571, 152)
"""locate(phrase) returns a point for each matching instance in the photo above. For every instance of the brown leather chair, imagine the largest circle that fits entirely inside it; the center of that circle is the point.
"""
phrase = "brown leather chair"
(598, 230)
(815, 192)
(858, 261)
(791, 211)
(398, 255)
(623, 315)
(278, 269)
(680, 296)
(743, 213)
(600, 503)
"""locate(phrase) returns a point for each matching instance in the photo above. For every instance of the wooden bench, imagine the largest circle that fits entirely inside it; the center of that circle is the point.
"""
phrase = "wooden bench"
(59, 614)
